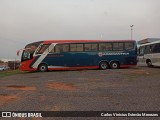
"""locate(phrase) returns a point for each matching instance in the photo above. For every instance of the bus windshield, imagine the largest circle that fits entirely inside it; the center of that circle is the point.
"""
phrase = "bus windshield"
(26, 55)
(29, 51)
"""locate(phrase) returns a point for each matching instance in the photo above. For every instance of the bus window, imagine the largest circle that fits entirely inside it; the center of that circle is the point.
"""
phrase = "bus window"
(76, 47)
(66, 48)
(147, 49)
(141, 51)
(61, 48)
(42, 49)
(118, 46)
(129, 45)
(108, 46)
(94, 47)
(73, 47)
(90, 47)
(79, 47)
(58, 48)
(26, 55)
(102, 46)
(105, 46)
(53, 50)
(156, 48)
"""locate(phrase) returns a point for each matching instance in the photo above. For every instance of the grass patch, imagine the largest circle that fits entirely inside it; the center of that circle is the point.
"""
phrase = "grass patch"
(10, 72)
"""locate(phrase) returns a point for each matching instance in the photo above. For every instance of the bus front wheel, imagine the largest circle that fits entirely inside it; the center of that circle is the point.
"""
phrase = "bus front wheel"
(103, 65)
(114, 65)
(43, 68)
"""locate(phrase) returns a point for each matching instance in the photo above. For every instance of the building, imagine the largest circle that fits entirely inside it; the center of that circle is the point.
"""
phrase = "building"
(14, 64)
(4, 64)
(147, 40)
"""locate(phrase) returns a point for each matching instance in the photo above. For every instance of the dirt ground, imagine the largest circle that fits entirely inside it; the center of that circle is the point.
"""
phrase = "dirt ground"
(131, 89)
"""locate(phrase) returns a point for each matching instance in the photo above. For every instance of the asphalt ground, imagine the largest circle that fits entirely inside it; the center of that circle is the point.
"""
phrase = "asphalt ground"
(131, 89)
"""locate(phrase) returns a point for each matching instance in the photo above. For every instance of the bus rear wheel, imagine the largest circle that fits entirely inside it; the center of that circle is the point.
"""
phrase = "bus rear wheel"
(149, 63)
(103, 65)
(43, 68)
(114, 65)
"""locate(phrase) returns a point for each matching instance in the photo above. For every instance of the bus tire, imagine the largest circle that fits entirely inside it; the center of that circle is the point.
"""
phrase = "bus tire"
(43, 68)
(103, 65)
(149, 63)
(114, 65)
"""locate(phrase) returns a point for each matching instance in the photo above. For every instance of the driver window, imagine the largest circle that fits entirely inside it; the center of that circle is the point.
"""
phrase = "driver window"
(141, 51)
(26, 55)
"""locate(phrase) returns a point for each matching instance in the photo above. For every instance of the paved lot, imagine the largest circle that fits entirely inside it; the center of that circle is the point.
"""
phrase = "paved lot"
(133, 89)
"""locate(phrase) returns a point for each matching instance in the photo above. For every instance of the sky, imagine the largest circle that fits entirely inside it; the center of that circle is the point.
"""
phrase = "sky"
(26, 21)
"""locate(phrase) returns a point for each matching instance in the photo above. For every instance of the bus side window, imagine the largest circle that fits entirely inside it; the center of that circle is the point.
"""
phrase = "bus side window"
(72, 47)
(94, 47)
(105, 46)
(153, 48)
(65, 47)
(79, 47)
(147, 49)
(87, 47)
(108, 46)
(129, 45)
(141, 51)
(76, 47)
(156, 48)
(58, 48)
(42, 49)
(118, 46)
(53, 50)
(90, 47)
(61, 48)
(102, 46)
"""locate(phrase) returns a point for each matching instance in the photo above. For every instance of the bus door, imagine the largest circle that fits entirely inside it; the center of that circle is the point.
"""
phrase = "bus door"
(141, 58)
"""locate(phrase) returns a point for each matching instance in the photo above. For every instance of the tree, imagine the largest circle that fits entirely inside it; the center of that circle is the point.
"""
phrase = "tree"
(1, 61)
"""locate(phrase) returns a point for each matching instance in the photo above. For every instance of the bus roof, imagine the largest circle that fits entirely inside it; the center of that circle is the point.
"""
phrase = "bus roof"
(150, 43)
(83, 41)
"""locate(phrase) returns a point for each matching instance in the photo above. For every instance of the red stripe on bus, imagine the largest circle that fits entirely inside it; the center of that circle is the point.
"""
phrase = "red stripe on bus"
(25, 65)
(81, 41)
(74, 68)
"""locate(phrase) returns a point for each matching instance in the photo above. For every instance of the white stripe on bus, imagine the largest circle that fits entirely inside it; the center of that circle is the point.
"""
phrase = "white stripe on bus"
(41, 58)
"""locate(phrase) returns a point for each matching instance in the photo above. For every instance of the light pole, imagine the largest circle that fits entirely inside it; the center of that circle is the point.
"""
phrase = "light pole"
(131, 30)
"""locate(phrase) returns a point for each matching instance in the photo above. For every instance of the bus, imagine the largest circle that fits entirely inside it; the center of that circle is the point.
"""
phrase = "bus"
(149, 53)
(78, 54)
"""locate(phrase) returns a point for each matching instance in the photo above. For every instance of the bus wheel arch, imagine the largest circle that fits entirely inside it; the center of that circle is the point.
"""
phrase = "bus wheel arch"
(43, 67)
(114, 64)
(103, 65)
(149, 63)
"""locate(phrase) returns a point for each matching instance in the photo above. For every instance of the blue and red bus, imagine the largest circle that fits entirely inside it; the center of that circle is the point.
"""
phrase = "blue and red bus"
(78, 54)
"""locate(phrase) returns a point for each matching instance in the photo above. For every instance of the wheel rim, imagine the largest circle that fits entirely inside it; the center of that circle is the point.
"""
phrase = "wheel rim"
(43, 68)
(149, 63)
(103, 66)
(114, 65)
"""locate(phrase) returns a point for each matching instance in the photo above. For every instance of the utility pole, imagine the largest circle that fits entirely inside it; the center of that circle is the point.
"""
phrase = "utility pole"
(131, 30)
